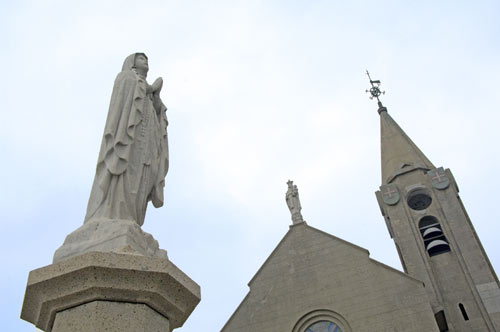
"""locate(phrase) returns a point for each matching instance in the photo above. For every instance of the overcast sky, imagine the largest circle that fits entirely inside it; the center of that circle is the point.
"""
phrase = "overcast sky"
(258, 92)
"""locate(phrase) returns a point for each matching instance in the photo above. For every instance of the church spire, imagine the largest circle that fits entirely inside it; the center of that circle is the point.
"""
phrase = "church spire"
(434, 237)
(399, 153)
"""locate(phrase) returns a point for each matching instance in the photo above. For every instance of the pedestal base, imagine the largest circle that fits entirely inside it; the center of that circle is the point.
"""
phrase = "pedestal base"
(103, 289)
(105, 316)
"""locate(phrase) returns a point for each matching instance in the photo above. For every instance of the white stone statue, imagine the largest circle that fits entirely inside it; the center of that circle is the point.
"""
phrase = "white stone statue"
(133, 160)
(293, 202)
(131, 169)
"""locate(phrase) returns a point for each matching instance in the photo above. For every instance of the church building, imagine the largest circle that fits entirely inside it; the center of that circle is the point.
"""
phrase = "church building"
(316, 282)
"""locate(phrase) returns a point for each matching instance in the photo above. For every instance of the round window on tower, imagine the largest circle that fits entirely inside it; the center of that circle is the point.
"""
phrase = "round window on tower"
(419, 199)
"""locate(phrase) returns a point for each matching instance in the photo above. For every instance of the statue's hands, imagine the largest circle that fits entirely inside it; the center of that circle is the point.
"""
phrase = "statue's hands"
(157, 85)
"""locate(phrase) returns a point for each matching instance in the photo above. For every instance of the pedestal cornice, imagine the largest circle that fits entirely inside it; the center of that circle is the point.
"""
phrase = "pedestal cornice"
(107, 276)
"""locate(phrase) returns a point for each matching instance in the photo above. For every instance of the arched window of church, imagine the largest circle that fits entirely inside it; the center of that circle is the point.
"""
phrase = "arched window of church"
(322, 320)
(434, 240)
(323, 326)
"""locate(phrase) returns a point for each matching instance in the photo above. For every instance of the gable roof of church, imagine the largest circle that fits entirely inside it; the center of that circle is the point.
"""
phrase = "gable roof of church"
(255, 304)
(305, 226)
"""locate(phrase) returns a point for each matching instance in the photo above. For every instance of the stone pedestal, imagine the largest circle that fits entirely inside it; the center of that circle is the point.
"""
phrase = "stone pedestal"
(106, 291)
(110, 316)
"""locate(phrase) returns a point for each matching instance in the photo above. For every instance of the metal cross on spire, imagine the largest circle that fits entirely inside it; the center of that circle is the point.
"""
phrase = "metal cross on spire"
(375, 92)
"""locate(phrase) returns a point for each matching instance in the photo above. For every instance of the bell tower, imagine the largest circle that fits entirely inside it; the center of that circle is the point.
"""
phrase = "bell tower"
(434, 236)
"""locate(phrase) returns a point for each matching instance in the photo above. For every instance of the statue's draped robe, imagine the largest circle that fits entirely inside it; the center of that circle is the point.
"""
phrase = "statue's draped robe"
(133, 160)
(292, 200)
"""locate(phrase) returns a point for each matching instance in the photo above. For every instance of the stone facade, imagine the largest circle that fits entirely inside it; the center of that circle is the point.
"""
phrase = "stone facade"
(313, 272)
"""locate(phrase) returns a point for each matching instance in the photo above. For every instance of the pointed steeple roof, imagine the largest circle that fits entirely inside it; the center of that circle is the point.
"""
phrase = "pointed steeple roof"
(399, 153)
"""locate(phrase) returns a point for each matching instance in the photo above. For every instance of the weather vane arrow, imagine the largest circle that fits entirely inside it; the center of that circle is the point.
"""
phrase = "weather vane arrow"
(375, 92)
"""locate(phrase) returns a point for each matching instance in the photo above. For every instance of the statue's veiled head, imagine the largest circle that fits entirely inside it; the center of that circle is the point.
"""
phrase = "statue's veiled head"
(137, 61)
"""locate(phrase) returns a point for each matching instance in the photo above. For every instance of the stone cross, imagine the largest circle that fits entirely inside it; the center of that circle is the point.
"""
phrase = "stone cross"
(389, 192)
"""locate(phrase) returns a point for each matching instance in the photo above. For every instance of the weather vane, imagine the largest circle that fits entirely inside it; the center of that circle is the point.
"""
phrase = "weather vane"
(375, 92)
